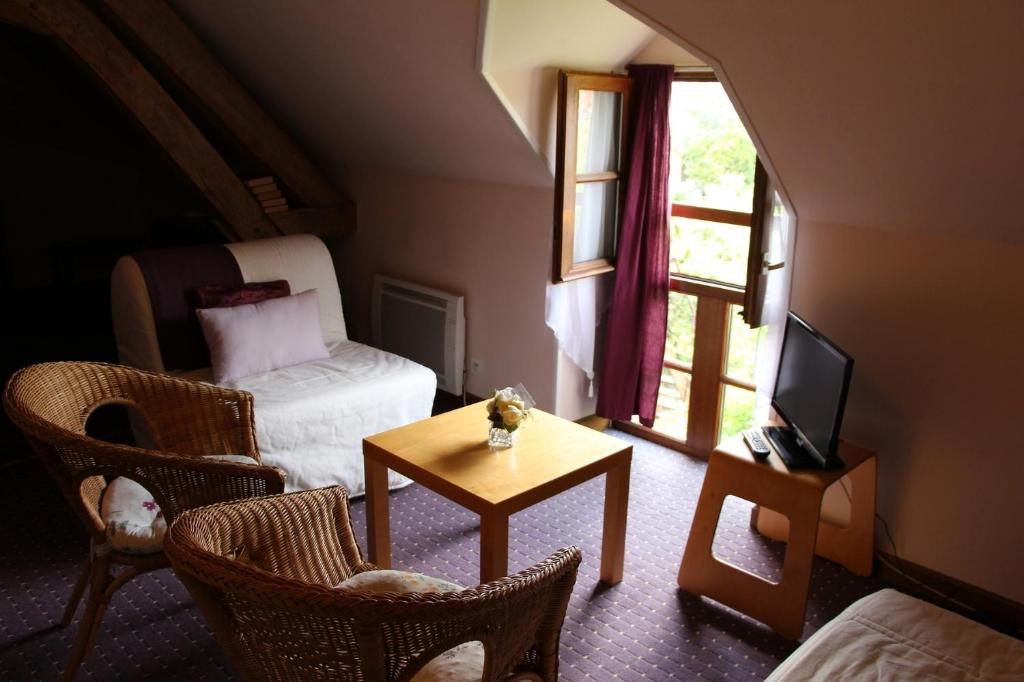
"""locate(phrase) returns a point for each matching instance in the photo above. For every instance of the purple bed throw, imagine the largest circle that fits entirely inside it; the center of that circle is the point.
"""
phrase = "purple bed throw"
(171, 276)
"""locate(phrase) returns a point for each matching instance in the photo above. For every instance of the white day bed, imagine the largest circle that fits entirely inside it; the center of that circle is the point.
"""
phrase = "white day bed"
(310, 418)
(891, 636)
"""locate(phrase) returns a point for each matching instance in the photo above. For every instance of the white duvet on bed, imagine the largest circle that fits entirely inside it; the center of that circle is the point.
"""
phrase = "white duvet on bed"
(311, 418)
(891, 636)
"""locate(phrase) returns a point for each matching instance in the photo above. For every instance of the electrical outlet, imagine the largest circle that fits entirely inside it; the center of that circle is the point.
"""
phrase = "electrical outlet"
(476, 366)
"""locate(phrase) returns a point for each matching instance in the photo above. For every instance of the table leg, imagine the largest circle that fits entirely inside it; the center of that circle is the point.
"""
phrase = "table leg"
(613, 540)
(493, 546)
(378, 526)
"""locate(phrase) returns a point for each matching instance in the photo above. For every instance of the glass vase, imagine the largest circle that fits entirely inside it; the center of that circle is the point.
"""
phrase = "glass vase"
(499, 438)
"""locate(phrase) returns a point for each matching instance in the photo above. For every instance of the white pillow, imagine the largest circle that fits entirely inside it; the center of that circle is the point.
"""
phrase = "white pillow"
(259, 337)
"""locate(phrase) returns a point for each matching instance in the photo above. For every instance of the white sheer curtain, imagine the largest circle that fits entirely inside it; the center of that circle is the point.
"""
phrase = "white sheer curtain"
(776, 302)
(573, 310)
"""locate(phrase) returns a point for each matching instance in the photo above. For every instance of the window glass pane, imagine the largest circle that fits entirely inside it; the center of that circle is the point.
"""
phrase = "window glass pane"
(682, 315)
(737, 411)
(673, 404)
(594, 231)
(715, 251)
(712, 161)
(742, 351)
(597, 131)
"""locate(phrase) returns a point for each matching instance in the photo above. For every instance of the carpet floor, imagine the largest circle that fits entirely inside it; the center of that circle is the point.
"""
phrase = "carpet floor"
(642, 629)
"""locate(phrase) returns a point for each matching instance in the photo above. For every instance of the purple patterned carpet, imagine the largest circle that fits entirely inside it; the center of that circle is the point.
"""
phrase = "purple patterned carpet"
(642, 629)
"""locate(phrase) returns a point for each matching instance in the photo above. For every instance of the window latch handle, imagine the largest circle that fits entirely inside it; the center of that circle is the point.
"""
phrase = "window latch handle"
(767, 267)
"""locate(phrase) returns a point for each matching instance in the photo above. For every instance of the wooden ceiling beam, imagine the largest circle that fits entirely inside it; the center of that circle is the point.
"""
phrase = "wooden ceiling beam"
(82, 32)
(159, 28)
(322, 221)
(16, 15)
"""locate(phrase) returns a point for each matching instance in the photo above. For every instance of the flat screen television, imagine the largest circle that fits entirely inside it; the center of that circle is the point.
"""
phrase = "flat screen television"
(810, 396)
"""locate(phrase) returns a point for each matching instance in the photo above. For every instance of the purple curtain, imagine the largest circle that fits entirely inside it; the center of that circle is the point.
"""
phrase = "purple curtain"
(634, 348)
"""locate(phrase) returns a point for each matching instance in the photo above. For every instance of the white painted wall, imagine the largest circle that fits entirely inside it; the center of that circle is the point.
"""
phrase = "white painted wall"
(527, 42)
(483, 240)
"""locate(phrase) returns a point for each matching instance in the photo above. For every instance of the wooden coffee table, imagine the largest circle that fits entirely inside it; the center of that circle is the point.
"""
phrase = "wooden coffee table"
(449, 454)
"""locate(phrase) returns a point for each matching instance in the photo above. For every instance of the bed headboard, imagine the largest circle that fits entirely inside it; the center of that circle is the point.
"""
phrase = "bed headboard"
(303, 260)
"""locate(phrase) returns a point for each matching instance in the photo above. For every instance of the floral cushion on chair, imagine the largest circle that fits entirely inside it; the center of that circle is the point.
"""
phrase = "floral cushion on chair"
(135, 524)
(463, 662)
(401, 582)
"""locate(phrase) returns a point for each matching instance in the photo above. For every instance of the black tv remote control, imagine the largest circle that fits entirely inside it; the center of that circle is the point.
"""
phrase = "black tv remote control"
(756, 443)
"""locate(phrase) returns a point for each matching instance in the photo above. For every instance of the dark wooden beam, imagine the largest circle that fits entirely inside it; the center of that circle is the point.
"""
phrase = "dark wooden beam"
(82, 32)
(321, 221)
(16, 15)
(163, 32)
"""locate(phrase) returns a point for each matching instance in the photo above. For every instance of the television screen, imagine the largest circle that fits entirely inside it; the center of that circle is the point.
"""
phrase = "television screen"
(810, 390)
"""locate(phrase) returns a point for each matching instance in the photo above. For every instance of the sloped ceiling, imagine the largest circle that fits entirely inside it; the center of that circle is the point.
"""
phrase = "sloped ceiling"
(876, 114)
(381, 83)
(901, 115)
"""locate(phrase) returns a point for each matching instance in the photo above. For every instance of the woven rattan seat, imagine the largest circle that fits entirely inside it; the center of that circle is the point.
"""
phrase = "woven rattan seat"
(51, 404)
(264, 571)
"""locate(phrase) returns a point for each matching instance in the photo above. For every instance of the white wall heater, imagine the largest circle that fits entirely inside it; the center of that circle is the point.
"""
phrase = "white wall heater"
(425, 325)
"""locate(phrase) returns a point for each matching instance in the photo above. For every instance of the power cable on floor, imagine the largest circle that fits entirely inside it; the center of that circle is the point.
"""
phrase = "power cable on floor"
(947, 597)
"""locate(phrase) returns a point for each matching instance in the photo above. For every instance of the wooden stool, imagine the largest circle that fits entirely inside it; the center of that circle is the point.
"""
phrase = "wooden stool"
(797, 495)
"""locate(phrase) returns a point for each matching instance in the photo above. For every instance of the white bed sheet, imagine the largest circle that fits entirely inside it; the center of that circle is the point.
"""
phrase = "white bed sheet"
(891, 636)
(311, 418)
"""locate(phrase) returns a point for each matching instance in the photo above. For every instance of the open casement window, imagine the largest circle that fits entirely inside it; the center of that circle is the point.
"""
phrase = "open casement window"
(593, 110)
(720, 205)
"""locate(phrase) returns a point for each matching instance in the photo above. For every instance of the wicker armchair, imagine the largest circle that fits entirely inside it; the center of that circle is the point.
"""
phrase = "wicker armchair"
(51, 404)
(263, 573)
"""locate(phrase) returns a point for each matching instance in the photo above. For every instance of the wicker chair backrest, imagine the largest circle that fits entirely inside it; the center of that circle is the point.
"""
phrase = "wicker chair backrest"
(264, 573)
(51, 403)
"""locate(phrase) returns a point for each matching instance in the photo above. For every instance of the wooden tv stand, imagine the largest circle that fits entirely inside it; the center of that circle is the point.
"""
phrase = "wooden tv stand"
(797, 495)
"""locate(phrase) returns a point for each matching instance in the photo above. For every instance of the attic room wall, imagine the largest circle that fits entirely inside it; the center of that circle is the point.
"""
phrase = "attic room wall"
(487, 241)
(935, 327)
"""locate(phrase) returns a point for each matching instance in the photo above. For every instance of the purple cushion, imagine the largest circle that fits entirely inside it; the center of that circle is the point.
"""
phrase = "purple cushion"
(259, 337)
(170, 274)
(214, 296)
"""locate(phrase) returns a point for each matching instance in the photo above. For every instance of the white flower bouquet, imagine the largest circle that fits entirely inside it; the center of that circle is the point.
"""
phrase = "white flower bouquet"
(506, 412)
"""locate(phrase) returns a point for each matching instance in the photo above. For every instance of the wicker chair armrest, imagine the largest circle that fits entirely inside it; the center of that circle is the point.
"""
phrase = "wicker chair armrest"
(180, 482)
(197, 419)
